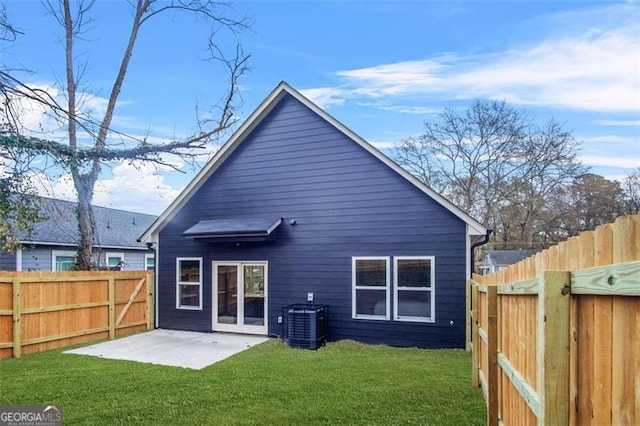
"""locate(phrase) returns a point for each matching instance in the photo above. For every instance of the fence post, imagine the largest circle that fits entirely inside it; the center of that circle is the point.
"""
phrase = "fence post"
(17, 319)
(475, 344)
(553, 348)
(112, 308)
(492, 355)
(468, 315)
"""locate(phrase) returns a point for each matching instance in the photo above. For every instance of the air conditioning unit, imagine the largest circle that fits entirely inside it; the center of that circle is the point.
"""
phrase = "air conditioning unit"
(305, 325)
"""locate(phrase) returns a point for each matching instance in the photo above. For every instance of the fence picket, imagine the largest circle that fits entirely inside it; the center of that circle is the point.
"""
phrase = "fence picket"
(17, 318)
(588, 369)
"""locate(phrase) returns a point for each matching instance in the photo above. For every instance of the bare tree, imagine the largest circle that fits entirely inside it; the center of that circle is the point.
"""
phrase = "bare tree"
(7, 31)
(631, 186)
(590, 200)
(85, 163)
(495, 163)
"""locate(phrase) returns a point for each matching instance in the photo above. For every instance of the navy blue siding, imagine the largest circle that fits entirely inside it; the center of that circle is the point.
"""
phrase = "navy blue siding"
(346, 203)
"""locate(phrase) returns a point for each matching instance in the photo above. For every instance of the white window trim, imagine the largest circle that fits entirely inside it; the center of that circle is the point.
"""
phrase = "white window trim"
(19, 259)
(387, 289)
(149, 256)
(396, 288)
(178, 283)
(56, 253)
(109, 254)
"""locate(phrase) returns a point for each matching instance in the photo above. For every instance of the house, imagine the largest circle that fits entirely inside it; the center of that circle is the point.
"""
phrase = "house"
(296, 207)
(496, 260)
(52, 245)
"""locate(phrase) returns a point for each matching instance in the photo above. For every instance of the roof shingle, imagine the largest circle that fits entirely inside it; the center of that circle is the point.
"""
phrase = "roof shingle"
(114, 228)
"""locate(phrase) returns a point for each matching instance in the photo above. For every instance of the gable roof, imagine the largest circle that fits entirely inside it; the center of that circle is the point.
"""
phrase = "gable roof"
(270, 102)
(116, 229)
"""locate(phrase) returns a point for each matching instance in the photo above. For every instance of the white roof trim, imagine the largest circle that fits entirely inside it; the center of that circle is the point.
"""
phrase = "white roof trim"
(150, 235)
(99, 247)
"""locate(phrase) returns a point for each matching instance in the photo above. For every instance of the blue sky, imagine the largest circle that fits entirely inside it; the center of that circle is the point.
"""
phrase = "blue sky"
(380, 67)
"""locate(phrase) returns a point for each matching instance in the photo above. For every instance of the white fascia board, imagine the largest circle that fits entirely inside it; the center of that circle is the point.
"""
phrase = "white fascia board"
(50, 243)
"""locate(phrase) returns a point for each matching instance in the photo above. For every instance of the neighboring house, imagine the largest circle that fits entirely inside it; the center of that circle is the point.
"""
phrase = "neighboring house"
(495, 260)
(52, 245)
(297, 206)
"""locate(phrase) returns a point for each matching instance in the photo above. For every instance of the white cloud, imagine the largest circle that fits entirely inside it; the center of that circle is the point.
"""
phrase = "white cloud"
(596, 71)
(382, 145)
(619, 178)
(619, 140)
(398, 78)
(620, 162)
(34, 117)
(40, 121)
(405, 109)
(592, 67)
(60, 187)
(621, 123)
(326, 96)
(137, 187)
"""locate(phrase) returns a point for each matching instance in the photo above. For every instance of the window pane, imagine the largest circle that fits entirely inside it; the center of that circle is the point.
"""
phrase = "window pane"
(151, 263)
(113, 261)
(189, 271)
(189, 295)
(254, 295)
(371, 302)
(371, 272)
(254, 281)
(64, 263)
(414, 303)
(414, 273)
(227, 294)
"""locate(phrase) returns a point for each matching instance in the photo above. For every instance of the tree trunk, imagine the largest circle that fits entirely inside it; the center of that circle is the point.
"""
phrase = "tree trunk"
(85, 247)
(85, 222)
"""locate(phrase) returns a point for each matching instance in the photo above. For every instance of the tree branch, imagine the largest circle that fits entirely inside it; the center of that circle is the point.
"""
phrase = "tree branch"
(65, 154)
(7, 31)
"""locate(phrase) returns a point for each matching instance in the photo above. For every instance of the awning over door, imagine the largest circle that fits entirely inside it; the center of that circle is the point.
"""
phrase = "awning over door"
(251, 229)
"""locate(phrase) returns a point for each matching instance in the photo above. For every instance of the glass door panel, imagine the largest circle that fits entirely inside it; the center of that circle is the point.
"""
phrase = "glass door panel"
(240, 294)
(227, 294)
(253, 294)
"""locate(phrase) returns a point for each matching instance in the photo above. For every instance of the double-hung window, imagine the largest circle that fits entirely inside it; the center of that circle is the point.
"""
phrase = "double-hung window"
(189, 283)
(371, 287)
(115, 260)
(149, 262)
(63, 260)
(414, 288)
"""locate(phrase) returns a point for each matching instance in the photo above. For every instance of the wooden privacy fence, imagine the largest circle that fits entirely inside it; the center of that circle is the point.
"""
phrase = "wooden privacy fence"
(46, 310)
(556, 337)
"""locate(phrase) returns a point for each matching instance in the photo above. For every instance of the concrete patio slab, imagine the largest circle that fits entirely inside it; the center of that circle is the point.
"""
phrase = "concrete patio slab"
(188, 349)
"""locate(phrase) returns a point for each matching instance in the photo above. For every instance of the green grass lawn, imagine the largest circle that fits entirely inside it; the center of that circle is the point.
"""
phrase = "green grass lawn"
(342, 383)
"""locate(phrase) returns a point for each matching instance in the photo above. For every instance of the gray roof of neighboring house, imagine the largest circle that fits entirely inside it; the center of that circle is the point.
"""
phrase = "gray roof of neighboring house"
(508, 257)
(114, 228)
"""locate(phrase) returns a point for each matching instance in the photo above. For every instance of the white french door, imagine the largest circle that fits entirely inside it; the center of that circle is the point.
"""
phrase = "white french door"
(240, 297)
